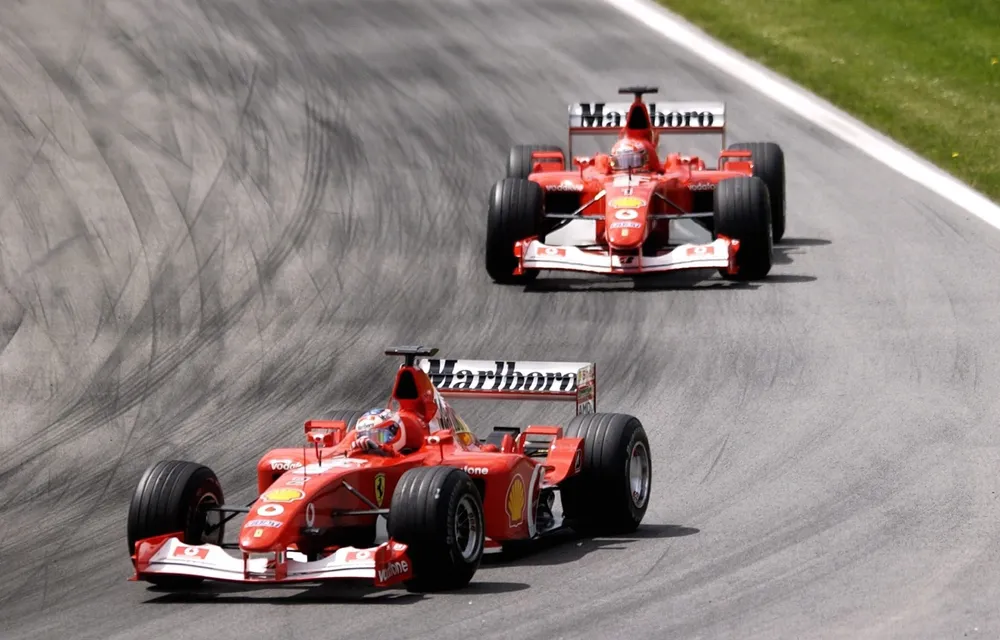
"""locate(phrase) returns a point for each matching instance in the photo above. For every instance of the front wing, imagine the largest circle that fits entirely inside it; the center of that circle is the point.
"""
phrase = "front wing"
(534, 254)
(386, 564)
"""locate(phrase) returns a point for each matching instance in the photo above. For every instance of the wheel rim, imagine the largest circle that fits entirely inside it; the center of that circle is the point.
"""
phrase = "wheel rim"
(468, 529)
(639, 475)
(210, 529)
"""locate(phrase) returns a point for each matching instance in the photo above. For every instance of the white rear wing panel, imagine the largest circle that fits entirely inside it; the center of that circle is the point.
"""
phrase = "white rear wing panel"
(515, 380)
(597, 118)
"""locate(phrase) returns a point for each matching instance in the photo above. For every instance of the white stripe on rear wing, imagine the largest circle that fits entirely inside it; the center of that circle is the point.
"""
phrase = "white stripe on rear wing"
(594, 118)
(515, 380)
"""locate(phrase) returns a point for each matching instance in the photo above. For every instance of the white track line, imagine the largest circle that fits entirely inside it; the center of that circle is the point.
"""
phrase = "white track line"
(811, 107)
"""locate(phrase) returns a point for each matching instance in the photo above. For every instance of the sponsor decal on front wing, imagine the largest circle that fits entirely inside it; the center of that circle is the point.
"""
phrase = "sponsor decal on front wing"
(393, 569)
(190, 552)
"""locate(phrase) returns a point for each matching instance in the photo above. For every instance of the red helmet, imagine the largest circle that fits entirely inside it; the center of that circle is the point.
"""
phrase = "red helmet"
(629, 155)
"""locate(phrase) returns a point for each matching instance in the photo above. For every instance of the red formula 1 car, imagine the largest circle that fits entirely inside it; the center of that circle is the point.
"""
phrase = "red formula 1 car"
(632, 196)
(447, 496)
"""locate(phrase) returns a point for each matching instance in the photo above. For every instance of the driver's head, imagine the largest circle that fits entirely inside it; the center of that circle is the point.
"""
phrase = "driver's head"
(629, 155)
(383, 426)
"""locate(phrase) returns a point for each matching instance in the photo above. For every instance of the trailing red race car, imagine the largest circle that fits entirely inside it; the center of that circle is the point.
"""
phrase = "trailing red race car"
(446, 495)
(632, 196)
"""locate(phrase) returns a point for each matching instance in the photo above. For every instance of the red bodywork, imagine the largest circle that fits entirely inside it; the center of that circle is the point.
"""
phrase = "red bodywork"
(632, 211)
(322, 485)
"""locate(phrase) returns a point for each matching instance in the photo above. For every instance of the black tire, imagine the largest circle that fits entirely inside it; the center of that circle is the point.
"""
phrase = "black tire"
(427, 510)
(519, 161)
(743, 212)
(769, 165)
(172, 496)
(601, 499)
(515, 212)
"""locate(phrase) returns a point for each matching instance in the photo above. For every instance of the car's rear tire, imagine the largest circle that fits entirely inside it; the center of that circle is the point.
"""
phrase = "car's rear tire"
(519, 162)
(743, 212)
(611, 493)
(438, 513)
(769, 165)
(171, 496)
(515, 212)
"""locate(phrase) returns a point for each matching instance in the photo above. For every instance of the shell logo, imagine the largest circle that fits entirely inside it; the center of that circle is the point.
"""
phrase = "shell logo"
(627, 202)
(284, 495)
(515, 501)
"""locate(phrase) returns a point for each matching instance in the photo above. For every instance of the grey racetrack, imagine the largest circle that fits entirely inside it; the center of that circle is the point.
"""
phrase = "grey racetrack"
(217, 215)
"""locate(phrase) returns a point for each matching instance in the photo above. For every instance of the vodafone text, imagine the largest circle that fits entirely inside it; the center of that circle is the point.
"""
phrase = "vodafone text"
(393, 569)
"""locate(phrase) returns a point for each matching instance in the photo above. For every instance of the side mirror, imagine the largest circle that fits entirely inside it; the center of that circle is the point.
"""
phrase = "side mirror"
(325, 433)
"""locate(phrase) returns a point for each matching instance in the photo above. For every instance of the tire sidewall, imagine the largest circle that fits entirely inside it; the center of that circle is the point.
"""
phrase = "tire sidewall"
(515, 212)
(425, 507)
(742, 211)
(635, 438)
(158, 507)
(460, 492)
(599, 498)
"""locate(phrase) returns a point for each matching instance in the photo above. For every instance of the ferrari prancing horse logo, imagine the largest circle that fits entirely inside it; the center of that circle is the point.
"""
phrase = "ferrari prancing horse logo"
(379, 488)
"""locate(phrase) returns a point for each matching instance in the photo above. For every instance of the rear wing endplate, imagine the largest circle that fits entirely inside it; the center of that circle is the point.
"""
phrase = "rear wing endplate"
(515, 380)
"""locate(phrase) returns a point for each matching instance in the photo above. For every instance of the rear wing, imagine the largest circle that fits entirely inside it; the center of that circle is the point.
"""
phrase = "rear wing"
(515, 380)
(606, 118)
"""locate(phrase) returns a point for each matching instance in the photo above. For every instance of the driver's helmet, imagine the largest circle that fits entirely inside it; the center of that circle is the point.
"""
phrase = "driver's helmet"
(629, 155)
(381, 425)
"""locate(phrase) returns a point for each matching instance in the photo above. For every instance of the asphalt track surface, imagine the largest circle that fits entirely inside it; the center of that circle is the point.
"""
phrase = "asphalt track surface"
(216, 215)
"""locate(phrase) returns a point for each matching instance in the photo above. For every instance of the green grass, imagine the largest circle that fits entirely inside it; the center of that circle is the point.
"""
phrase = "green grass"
(924, 72)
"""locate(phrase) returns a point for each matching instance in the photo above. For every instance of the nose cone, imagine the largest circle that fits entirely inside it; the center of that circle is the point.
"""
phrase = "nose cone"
(625, 222)
(255, 538)
(265, 526)
(625, 234)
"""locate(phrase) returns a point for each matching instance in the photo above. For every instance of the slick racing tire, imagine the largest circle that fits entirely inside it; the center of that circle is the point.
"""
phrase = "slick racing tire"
(769, 166)
(519, 163)
(515, 212)
(438, 513)
(174, 496)
(611, 492)
(743, 212)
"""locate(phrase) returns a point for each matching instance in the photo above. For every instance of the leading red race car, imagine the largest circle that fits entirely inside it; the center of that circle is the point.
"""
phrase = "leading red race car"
(446, 495)
(632, 196)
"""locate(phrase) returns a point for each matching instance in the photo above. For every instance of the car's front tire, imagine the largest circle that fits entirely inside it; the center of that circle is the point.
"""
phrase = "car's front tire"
(743, 212)
(438, 513)
(175, 495)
